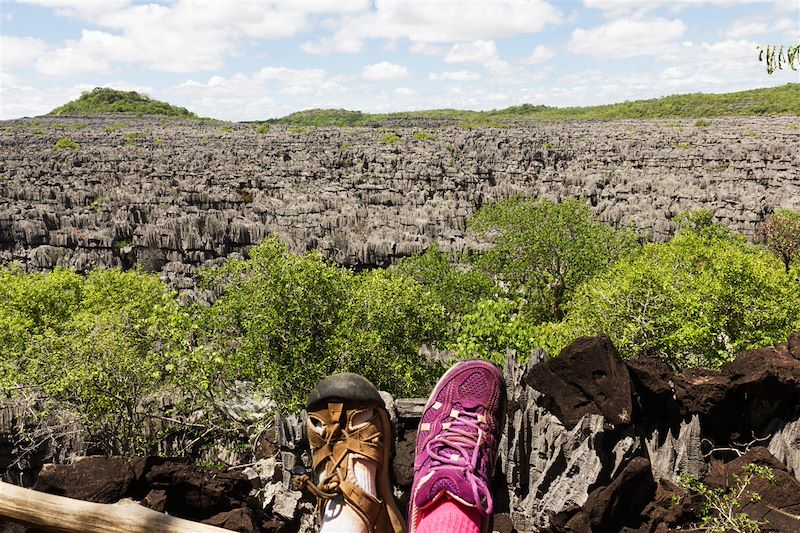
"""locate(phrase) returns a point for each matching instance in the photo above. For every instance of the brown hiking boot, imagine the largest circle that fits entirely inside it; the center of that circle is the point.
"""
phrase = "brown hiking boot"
(348, 423)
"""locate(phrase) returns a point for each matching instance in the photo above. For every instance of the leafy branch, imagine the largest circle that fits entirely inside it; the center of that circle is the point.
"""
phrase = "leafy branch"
(719, 513)
(776, 56)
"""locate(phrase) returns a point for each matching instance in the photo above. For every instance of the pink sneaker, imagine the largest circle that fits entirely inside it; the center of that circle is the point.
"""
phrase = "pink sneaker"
(457, 440)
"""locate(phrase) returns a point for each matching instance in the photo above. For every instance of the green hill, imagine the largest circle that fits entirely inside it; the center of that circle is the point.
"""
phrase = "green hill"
(105, 100)
(782, 100)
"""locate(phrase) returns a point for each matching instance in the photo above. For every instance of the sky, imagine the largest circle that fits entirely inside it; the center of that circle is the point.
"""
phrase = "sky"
(252, 60)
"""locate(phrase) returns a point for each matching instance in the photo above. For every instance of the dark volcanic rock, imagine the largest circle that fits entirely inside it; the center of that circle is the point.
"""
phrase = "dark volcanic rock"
(588, 377)
(616, 506)
(94, 479)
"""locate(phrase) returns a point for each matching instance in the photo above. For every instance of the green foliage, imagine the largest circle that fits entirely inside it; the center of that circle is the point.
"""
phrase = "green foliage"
(776, 57)
(719, 513)
(694, 301)
(454, 286)
(424, 136)
(701, 222)
(262, 128)
(543, 250)
(702, 123)
(69, 126)
(491, 328)
(783, 100)
(285, 321)
(66, 143)
(782, 233)
(385, 321)
(104, 100)
(99, 345)
(324, 117)
(390, 138)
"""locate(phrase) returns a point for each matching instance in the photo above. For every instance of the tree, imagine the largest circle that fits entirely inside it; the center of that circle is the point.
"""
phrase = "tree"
(776, 56)
(285, 321)
(387, 317)
(491, 328)
(543, 250)
(782, 233)
(696, 300)
(97, 348)
(272, 324)
(455, 286)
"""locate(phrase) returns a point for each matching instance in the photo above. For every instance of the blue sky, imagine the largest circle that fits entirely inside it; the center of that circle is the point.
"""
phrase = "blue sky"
(250, 60)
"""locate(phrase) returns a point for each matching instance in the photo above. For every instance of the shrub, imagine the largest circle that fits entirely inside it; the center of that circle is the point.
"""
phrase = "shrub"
(66, 143)
(694, 301)
(424, 136)
(390, 138)
(106, 100)
(385, 321)
(491, 328)
(543, 250)
(285, 321)
(782, 233)
(702, 123)
(457, 288)
(99, 346)
(719, 512)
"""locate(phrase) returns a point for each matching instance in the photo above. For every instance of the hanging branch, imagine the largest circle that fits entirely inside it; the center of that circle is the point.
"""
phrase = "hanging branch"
(776, 56)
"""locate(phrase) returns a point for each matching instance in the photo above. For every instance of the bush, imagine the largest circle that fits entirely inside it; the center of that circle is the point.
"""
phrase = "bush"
(391, 138)
(457, 288)
(543, 250)
(99, 346)
(66, 143)
(424, 136)
(492, 328)
(106, 100)
(386, 320)
(782, 233)
(719, 511)
(694, 301)
(285, 322)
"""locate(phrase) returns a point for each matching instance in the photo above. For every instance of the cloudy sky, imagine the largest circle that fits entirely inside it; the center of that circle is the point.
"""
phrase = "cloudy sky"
(249, 60)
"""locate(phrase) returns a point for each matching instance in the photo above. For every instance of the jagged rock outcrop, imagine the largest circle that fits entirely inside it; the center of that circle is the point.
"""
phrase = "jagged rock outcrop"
(172, 195)
(571, 459)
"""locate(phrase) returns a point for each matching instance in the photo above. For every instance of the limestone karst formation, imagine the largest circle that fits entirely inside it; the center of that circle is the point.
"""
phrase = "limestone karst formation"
(173, 195)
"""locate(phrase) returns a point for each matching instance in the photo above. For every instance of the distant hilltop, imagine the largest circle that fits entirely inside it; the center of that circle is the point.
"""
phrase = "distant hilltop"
(102, 100)
(782, 100)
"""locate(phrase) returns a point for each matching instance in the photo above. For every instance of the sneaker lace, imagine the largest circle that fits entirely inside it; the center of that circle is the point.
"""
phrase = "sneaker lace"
(458, 444)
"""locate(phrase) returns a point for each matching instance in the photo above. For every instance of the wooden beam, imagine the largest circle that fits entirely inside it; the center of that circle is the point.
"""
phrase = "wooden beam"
(58, 514)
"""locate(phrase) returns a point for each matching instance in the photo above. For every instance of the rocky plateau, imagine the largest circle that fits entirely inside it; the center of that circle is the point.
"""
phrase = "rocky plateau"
(174, 195)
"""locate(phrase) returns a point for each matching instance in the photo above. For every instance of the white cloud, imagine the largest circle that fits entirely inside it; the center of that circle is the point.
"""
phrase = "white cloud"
(405, 91)
(540, 54)
(19, 52)
(181, 36)
(77, 58)
(459, 75)
(627, 38)
(80, 8)
(443, 22)
(384, 71)
(480, 51)
(425, 49)
(746, 28)
(290, 75)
